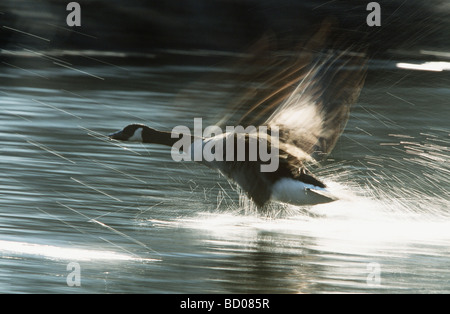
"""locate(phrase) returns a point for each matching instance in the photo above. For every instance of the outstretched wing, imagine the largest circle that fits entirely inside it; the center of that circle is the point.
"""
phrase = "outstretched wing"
(314, 115)
(307, 95)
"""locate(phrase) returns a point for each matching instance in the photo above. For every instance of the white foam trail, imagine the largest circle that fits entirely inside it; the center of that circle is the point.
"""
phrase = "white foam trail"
(64, 253)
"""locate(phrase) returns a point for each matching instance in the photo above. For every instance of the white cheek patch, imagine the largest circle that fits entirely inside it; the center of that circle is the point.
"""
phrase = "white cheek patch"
(137, 136)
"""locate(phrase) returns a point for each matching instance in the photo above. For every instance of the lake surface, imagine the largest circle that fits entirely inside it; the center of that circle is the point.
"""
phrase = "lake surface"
(126, 218)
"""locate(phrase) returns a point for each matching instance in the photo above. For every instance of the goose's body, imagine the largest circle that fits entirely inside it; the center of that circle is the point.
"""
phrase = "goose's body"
(290, 183)
(307, 100)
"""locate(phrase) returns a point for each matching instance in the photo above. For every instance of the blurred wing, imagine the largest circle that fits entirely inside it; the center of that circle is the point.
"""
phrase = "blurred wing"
(266, 76)
(314, 115)
(307, 96)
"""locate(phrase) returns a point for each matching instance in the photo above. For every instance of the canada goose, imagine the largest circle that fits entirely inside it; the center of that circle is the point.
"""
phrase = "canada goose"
(307, 98)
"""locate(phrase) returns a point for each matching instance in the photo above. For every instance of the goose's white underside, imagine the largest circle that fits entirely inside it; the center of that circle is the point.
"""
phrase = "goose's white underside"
(285, 190)
(294, 192)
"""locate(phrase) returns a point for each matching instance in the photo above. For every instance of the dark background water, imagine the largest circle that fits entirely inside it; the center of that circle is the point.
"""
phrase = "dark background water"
(136, 221)
(224, 25)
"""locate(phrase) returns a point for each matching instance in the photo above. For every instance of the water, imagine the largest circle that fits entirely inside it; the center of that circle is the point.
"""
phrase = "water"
(134, 221)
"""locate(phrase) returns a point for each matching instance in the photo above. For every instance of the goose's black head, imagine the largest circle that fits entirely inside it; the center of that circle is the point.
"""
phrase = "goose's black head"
(133, 133)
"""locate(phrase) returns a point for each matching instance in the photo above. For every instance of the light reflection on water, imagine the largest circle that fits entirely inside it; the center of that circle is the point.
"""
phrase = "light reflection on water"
(137, 221)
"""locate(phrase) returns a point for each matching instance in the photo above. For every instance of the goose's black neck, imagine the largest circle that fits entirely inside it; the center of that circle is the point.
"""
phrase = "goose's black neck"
(162, 137)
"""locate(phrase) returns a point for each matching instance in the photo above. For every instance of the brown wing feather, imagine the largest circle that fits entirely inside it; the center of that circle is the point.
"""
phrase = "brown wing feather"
(314, 115)
(307, 96)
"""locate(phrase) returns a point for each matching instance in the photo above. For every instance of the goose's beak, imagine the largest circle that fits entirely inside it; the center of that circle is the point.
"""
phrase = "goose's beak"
(117, 136)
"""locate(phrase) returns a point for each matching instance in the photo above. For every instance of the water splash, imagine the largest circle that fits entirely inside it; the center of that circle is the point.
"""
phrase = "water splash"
(375, 212)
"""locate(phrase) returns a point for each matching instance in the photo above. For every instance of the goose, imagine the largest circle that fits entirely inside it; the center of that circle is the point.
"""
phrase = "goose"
(306, 98)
